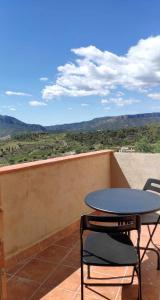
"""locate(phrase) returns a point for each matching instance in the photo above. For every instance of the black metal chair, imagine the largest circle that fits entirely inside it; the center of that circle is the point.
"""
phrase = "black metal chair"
(108, 244)
(152, 185)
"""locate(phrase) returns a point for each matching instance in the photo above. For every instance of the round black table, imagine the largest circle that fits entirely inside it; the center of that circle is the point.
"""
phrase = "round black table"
(123, 201)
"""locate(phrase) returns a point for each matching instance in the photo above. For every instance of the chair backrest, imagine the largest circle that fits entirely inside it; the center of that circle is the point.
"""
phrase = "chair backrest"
(110, 224)
(152, 184)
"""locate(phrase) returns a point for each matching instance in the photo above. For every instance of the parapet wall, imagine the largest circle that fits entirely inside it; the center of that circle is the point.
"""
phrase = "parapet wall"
(133, 169)
(41, 198)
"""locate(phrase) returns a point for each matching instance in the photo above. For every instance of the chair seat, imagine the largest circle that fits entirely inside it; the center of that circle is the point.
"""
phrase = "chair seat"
(102, 249)
(149, 219)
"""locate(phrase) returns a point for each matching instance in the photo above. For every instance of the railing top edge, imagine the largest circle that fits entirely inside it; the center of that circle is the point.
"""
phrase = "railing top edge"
(40, 163)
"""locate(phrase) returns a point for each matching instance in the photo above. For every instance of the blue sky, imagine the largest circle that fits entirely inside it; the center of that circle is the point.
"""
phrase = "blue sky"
(69, 61)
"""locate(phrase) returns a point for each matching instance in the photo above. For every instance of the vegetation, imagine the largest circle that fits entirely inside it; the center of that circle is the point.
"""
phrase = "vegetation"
(35, 146)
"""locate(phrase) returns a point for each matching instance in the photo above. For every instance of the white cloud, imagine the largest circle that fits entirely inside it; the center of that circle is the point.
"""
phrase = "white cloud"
(43, 78)
(36, 103)
(154, 96)
(122, 102)
(97, 72)
(70, 108)
(119, 101)
(12, 108)
(84, 104)
(119, 94)
(11, 93)
(104, 101)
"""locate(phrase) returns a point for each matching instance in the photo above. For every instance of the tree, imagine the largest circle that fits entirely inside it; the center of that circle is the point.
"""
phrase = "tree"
(157, 147)
(142, 145)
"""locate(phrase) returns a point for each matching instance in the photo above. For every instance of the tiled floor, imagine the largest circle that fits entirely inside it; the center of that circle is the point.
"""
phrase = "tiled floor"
(54, 274)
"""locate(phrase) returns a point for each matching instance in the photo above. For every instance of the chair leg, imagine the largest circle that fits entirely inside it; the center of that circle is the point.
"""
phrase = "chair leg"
(132, 276)
(147, 246)
(151, 238)
(139, 282)
(82, 287)
(89, 272)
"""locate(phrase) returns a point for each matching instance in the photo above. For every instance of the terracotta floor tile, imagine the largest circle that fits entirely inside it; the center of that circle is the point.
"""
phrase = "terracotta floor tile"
(77, 246)
(144, 241)
(150, 287)
(101, 293)
(8, 277)
(99, 278)
(14, 269)
(36, 270)
(65, 277)
(53, 254)
(40, 293)
(73, 259)
(55, 294)
(63, 282)
(151, 278)
(59, 294)
(128, 276)
(148, 293)
(78, 297)
(111, 271)
(68, 241)
(156, 237)
(149, 262)
(128, 293)
(20, 288)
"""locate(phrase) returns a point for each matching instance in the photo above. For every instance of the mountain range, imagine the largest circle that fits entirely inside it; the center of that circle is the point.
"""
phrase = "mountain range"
(10, 126)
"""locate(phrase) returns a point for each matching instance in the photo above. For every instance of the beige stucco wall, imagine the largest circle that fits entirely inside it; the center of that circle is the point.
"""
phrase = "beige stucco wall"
(133, 169)
(39, 199)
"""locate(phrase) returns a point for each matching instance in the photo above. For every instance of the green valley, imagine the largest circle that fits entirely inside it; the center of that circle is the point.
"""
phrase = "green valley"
(34, 146)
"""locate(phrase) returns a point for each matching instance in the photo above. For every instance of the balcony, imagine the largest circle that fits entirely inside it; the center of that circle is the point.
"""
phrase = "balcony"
(42, 203)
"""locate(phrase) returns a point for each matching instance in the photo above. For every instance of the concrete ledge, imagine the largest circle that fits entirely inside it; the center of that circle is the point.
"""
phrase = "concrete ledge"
(50, 161)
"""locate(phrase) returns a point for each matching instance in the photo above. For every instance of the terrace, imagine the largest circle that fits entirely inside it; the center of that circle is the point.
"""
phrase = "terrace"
(41, 205)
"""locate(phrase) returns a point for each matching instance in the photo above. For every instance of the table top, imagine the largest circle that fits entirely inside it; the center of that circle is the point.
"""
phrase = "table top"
(123, 201)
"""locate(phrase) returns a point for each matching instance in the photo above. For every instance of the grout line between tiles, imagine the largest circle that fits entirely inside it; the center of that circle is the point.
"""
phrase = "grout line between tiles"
(58, 265)
(21, 267)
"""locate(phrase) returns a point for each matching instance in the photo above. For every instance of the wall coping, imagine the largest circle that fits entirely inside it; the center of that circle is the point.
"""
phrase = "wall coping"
(50, 161)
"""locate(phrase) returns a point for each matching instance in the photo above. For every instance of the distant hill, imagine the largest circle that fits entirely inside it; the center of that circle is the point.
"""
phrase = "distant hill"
(10, 126)
(109, 123)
